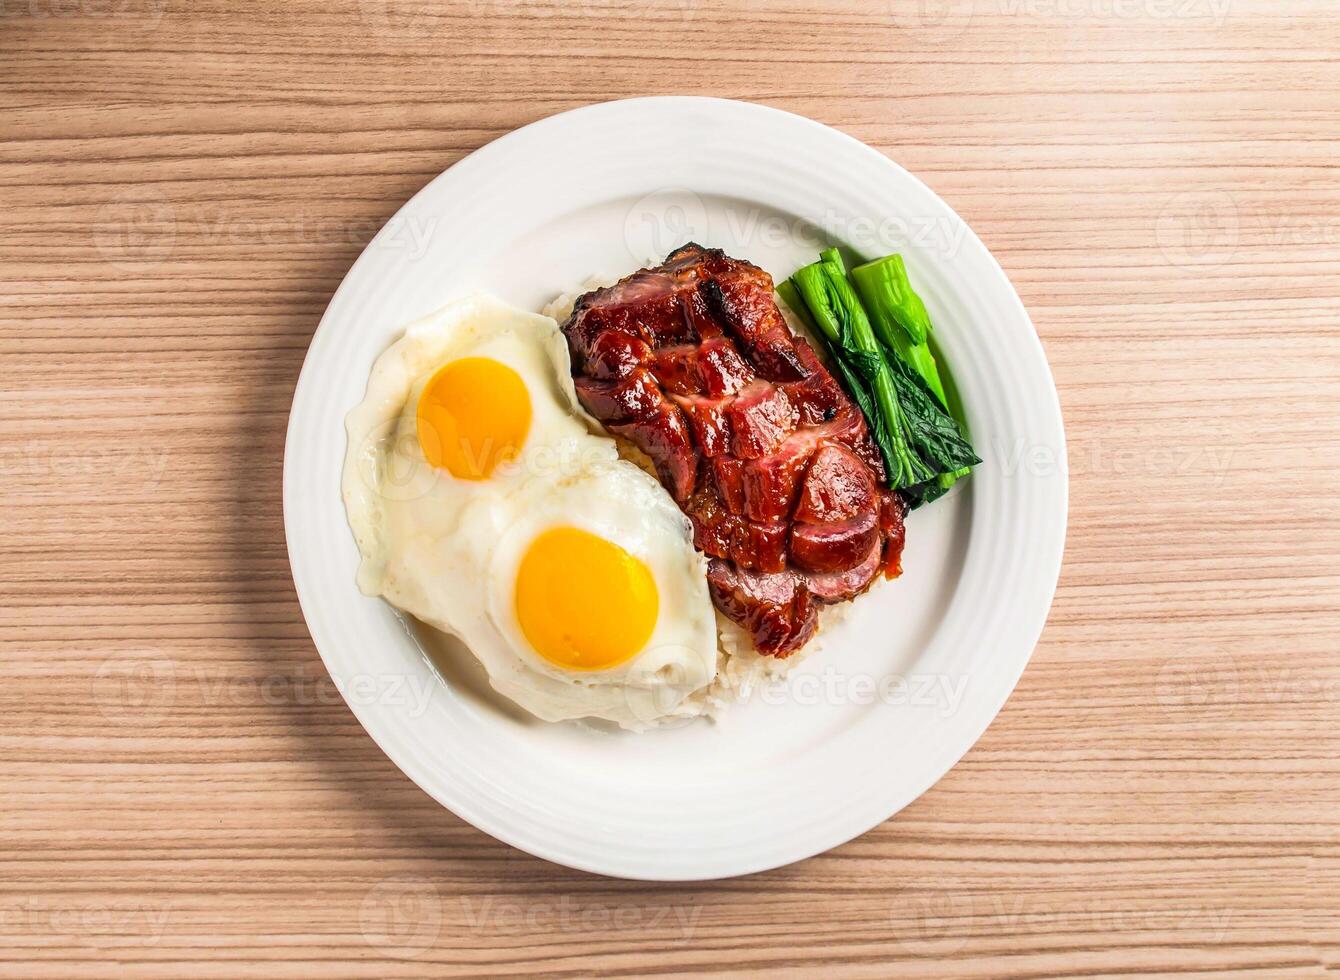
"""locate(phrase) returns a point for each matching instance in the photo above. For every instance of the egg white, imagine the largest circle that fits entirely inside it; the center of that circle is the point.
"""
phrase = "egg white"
(392, 494)
(620, 503)
(447, 551)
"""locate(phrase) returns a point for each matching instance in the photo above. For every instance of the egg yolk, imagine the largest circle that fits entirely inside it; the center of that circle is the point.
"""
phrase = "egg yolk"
(583, 602)
(473, 415)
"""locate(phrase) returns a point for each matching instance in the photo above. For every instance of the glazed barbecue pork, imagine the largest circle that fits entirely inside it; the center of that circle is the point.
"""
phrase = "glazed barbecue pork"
(692, 362)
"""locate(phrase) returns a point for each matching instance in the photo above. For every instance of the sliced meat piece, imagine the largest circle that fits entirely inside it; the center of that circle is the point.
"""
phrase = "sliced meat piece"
(676, 368)
(772, 482)
(626, 399)
(892, 511)
(721, 369)
(641, 306)
(700, 318)
(636, 408)
(831, 587)
(775, 608)
(761, 416)
(612, 354)
(710, 421)
(728, 479)
(664, 436)
(836, 546)
(818, 397)
(837, 486)
(848, 427)
(864, 447)
(750, 544)
(762, 334)
(691, 262)
(713, 368)
(764, 489)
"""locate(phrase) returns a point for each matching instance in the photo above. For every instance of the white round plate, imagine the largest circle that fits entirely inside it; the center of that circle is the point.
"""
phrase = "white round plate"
(900, 689)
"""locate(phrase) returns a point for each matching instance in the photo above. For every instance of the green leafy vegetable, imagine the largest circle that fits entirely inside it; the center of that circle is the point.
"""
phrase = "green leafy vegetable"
(932, 430)
(877, 334)
(838, 313)
(903, 326)
(898, 316)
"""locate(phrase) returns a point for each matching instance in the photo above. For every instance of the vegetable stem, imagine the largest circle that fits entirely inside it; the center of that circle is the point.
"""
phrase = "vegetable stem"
(898, 316)
(893, 302)
(791, 297)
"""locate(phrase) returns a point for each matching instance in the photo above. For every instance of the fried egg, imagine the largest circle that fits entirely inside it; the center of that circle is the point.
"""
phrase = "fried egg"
(486, 504)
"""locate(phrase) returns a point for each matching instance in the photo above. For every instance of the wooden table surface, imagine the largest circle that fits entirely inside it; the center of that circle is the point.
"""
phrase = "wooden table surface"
(185, 183)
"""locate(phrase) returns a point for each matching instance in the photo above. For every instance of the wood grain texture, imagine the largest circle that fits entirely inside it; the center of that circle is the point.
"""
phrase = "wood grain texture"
(185, 184)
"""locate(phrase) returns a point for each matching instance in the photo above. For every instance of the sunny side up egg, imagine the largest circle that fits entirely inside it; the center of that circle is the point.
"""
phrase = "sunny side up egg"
(486, 504)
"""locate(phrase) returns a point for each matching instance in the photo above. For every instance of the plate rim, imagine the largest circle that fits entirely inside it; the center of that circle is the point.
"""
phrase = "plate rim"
(401, 757)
